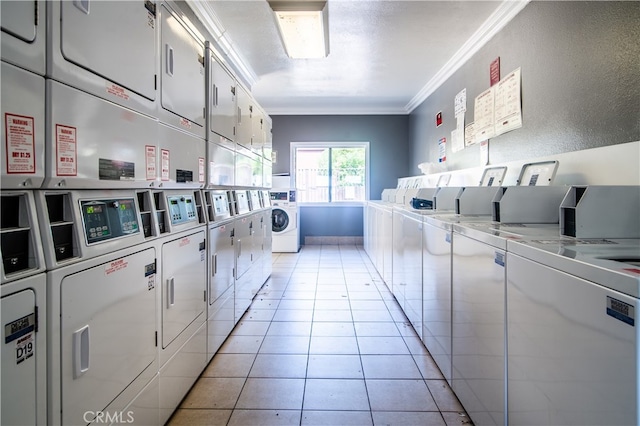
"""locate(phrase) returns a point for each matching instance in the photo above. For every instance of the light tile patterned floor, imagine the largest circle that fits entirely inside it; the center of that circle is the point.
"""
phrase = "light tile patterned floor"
(323, 343)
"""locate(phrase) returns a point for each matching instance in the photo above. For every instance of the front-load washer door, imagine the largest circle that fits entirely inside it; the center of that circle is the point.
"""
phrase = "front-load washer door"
(279, 220)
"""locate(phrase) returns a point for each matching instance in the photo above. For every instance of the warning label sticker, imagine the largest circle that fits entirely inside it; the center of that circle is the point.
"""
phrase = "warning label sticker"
(201, 170)
(20, 144)
(66, 151)
(117, 91)
(150, 160)
(115, 266)
(164, 153)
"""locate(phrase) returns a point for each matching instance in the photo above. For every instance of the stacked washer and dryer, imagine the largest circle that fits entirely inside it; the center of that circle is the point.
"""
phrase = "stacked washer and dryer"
(118, 209)
(23, 306)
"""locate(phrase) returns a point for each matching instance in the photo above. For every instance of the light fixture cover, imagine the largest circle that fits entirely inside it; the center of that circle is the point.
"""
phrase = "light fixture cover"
(303, 27)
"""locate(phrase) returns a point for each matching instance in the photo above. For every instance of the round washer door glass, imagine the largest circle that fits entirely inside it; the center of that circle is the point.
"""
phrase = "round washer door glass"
(279, 220)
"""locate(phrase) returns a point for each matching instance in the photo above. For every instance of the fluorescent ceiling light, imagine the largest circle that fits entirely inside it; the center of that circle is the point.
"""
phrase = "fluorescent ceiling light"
(304, 27)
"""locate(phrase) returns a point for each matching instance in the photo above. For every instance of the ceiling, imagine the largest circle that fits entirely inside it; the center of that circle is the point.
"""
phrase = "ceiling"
(385, 56)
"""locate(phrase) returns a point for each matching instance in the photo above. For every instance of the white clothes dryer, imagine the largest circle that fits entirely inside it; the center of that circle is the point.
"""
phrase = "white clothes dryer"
(284, 221)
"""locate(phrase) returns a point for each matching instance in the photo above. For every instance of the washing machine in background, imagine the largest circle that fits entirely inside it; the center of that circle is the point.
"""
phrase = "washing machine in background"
(285, 221)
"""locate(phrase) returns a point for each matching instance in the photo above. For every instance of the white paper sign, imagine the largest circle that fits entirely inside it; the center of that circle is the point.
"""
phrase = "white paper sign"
(460, 103)
(164, 164)
(66, 151)
(508, 107)
(484, 115)
(20, 144)
(150, 161)
(469, 135)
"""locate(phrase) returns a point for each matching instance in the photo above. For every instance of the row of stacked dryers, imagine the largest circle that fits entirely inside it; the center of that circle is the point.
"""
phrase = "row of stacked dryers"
(135, 221)
(526, 295)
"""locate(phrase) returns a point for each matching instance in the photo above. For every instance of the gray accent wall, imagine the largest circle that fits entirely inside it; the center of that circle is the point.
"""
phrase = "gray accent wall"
(387, 135)
(388, 139)
(580, 65)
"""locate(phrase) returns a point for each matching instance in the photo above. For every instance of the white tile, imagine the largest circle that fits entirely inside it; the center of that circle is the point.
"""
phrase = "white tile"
(283, 394)
(400, 395)
(334, 367)
(390, 367)
(279, 365)
(323, 394)
(229, 365)
(407, 418)
(285, 345)
(342, 418)
(264, 417)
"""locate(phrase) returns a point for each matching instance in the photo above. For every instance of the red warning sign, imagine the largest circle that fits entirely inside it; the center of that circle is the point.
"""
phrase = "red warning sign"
(66, 151)
(115, 266)
(20, 144)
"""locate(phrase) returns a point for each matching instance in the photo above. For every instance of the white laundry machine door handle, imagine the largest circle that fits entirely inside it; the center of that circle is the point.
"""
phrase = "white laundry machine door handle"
(169, 60)
(171, 292)
(214, 265)
(81, 345)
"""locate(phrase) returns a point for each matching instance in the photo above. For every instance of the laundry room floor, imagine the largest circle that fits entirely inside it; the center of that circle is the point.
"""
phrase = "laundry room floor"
(323, 343)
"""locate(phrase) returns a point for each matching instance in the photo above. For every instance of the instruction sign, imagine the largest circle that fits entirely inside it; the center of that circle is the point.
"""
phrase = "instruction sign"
(20, 143)
(150, 162)
(66, 151)
(164, 164)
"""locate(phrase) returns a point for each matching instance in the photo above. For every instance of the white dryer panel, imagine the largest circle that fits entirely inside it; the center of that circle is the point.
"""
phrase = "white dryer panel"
(220, 165)
(23, 398)
(23, 34)
(267, 171)
(182, 158)
(182, 73)
(114, 40)
(412, 265)
(107, 325)
(221, 260)
(222, 100)
(573, 356)
(93, 143)
(183, 284)
(242, 241)
(22, 119)
(243, 168)
(244, 127)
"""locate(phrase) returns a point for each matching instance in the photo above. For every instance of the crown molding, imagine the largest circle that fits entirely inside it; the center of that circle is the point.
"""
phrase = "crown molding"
(498, 19)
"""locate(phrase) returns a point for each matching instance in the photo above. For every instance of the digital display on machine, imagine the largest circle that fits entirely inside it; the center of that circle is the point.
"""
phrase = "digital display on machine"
(181, 209)
(108, 219)
(280, 196)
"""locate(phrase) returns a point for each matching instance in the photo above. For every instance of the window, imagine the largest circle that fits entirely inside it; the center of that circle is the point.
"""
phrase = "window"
(330, 172)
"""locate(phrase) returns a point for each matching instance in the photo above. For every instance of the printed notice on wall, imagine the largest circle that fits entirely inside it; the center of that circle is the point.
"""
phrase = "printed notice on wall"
(469, 134)
(484, 115)
(201, 170)
(66, 151)
(164, 164)
(508, 107)
(460, 103)
(20, 144)
(150, 160)
(442, 150)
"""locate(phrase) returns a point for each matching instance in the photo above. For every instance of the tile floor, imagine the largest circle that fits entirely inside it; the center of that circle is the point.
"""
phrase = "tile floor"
(323, 343)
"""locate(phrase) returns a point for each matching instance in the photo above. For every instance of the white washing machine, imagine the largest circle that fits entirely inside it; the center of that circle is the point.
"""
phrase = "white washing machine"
(285, 221)
(101, 299)
(573, 354)
(572, 302)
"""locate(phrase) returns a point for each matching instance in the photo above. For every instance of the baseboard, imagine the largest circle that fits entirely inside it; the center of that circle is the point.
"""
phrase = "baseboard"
(327, 240)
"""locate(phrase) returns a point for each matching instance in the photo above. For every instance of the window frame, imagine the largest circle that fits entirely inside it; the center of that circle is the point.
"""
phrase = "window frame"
(293, 147)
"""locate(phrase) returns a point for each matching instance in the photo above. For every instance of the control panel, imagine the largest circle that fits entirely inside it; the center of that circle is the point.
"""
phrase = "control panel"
(182, 208)
(109, 219)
